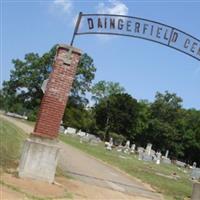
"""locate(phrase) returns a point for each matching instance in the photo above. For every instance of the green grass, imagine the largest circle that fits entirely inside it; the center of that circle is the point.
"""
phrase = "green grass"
(11, 141)
(145, 171)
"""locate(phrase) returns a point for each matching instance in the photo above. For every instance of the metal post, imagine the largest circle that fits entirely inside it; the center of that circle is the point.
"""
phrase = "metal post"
(76, 27)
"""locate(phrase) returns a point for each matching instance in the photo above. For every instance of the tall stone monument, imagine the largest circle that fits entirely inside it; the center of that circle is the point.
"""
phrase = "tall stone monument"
(40, 151)
(148, 149)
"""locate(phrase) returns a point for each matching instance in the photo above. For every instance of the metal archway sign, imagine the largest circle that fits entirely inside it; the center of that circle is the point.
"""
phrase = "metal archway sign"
(138, 28)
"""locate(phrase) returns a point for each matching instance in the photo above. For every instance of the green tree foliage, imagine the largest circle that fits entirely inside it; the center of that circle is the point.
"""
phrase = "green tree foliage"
(23, 91)
(142, 120)
(172, 127)
(189, 125)
(104, 89)
(2, 100)
(161, 131)
(166, 107)
(118, 114)
(84, 76)
(79, 117)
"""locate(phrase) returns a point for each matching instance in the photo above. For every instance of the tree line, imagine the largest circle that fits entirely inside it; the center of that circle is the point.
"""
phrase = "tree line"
(114, 113)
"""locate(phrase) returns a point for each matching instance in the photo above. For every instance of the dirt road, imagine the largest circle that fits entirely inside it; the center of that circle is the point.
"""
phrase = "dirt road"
(93, 172)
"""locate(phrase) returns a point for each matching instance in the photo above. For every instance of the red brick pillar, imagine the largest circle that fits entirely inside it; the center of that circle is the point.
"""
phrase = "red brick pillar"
(57, 91)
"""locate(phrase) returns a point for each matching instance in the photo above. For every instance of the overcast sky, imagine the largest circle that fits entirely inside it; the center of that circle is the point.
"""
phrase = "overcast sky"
(141, 67)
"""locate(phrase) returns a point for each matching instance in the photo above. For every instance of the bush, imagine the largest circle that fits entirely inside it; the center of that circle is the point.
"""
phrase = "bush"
(101, 135)
(117, 138)
(32, 115)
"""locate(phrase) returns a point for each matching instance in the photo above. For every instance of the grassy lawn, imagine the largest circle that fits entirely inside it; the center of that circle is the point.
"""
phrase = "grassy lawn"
(11, 141)
(147, 172)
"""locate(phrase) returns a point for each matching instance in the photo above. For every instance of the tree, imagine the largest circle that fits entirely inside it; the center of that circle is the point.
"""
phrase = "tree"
(84, 76)
(2, 100)
(142, 121)
(79, 117)
(166, 107)
(162, 130)
(122, 113)
(189, 126)
(24, 86)
(103, 89)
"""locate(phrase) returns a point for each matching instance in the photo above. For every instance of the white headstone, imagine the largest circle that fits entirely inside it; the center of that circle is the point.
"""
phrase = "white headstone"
(70, 130)
(82, 134)
(111, 142)
(127, 145)
(148, 149)
(158, 156)
(132, 148)
(166, 154)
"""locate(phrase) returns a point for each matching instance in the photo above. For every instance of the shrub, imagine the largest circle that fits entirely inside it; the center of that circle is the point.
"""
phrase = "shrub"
(101, 135)
(117, 138)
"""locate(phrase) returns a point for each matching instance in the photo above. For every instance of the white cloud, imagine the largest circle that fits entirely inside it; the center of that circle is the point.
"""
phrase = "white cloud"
(112, 7)
(63, 6)
(115, 7)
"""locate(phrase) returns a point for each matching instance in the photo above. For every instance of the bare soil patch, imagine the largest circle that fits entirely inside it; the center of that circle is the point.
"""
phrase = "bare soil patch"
(65, 189)
(8, 194)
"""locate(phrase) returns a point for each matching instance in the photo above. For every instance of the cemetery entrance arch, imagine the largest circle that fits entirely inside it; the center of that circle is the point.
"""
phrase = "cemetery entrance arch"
(135, 27)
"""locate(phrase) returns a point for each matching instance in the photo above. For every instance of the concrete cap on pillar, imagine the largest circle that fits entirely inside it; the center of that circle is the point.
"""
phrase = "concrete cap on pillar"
(73, 49)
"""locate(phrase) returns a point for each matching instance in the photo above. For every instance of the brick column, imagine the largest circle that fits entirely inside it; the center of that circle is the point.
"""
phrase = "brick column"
(58, 88)
(40, 152)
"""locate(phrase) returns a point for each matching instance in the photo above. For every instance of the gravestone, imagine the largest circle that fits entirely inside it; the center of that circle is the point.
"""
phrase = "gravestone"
(165, 159)
(111, 141)
(194, 165)
(158, 157)
(127, 147)
(147, 157)
(166, 154)
(195, 173)
(119, 148)
(109, 144)
(70, 130)
(180, 164)
(147, 154)
(140, 151)
(84, 138)
(148, 149)
(40, 152)
(81, 133)
(133, 148)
